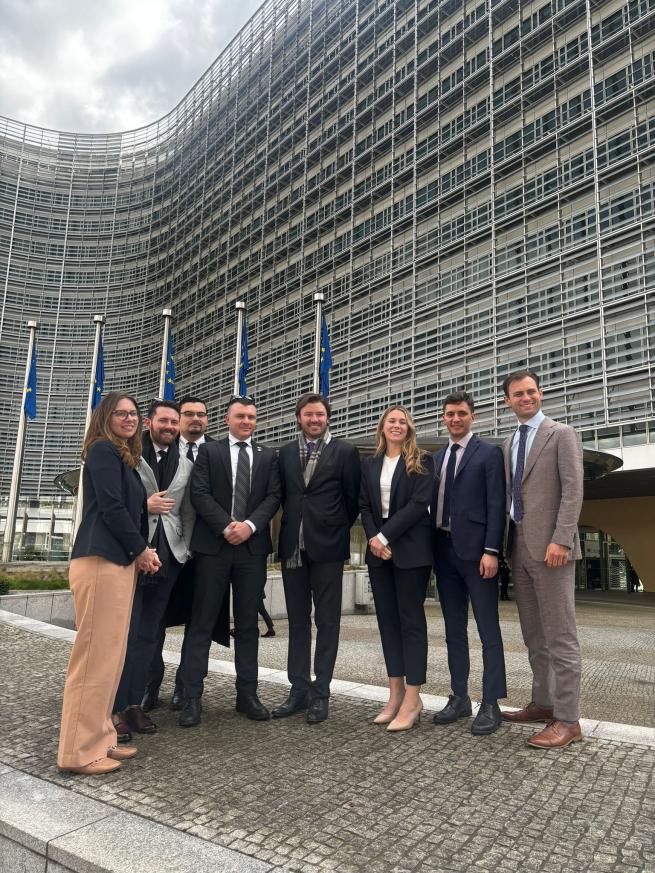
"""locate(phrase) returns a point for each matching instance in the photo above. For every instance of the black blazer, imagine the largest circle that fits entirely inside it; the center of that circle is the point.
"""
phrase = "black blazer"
(114, 522)
(408, 526)
(211, 496)
(328, 505)
(477, 508)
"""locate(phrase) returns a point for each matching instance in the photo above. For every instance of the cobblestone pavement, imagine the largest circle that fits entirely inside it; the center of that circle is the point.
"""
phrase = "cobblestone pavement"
(345, 795)
(618, 657)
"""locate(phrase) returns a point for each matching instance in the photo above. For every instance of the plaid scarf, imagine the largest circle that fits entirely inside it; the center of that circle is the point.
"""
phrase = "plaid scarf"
(308, 466)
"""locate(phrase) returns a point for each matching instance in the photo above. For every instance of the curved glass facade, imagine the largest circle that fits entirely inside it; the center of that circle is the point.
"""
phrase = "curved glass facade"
(471, 184)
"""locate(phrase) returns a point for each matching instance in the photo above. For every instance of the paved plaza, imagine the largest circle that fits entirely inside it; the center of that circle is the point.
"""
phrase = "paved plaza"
(348, 796)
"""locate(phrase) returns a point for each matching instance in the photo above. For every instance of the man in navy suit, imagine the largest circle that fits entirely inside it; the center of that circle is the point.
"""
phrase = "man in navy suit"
(468, 509)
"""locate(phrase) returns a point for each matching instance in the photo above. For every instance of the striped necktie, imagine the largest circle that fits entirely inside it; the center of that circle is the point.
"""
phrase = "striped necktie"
(241, 484)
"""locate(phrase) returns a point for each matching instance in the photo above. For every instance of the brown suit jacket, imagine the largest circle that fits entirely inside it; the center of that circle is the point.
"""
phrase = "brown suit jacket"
(552, 489)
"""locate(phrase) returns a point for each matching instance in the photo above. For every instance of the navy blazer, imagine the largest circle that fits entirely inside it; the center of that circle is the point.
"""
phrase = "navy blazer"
(477, 506)
(328, 506)
(211, 497)
(114, 522)
(408, 526)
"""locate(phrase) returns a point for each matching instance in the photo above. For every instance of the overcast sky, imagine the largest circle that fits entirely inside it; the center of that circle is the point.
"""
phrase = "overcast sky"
(102, 66)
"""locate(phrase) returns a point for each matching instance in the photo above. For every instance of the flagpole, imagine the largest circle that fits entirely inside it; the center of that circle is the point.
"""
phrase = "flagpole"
(167, 313)
(319, 297)
(240, 307)
(12, 506)
(99, 321)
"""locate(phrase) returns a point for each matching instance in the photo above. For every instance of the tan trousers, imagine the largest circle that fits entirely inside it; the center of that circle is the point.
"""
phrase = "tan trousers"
(545, 599)
(102, 595)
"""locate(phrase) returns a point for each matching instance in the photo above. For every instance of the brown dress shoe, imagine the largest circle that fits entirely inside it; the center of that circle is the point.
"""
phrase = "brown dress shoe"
(138, 721)
(95, 768)
(123, 732)
(531, 712)
(556, 735)
(121, 754)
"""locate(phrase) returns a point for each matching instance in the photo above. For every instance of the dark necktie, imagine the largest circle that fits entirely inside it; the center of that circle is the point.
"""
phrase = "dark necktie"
(161, 462)
(242, 483)
(448, 487)
(517, 499)
(310, 449)
(189, 452)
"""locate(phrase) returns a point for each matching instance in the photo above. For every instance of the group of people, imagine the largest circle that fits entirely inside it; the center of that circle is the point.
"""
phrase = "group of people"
(173, 517)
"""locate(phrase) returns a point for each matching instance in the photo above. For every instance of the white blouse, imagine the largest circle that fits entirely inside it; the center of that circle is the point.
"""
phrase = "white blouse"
(388, 468)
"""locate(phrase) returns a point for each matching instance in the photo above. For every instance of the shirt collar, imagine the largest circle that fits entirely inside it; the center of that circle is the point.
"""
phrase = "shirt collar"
(184, 442)
(464, 440)
(159, 448)
(535, 421)
(233, 440)
(327, 436)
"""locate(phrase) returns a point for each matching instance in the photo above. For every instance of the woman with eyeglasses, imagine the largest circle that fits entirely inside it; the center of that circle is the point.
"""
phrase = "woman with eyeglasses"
(395, 495)
(110, 547)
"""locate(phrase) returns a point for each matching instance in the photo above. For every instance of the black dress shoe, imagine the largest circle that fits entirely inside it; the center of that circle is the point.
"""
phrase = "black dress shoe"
(138, 721)
(190, 715)
(457, 707)
(177, 700)
(291, 706)
(150, 699)
(252, 707)
(487, 720)
(318, 710)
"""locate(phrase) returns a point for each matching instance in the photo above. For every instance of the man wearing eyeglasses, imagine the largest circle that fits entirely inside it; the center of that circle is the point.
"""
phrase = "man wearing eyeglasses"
(192, 434)
(235, 490)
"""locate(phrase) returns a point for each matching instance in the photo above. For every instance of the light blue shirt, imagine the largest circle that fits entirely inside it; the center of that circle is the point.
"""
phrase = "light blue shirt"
(533, 424)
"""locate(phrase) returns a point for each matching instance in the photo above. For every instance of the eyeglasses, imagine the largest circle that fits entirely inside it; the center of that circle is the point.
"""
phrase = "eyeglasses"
(194, 414)
(125, 413)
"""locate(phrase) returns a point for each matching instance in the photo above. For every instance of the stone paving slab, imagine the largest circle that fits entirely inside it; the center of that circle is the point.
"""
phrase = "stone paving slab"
(346, 795)
(45, 827)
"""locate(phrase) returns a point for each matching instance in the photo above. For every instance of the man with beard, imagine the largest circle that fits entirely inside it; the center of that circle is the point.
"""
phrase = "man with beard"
(320, 498)
(193, 424)
(165, 476)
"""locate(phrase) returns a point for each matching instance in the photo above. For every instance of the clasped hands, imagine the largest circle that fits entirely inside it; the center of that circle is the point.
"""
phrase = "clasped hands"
(378, 549)
(148, 561)
(237, 532)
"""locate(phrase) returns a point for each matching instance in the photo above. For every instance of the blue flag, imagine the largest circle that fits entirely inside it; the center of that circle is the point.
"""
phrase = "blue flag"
(99, 377)
(243, 366)
(325, 363)
(169, 378)
(30, 392)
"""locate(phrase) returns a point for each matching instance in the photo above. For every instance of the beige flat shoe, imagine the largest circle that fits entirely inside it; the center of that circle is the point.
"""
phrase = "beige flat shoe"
(95, 768)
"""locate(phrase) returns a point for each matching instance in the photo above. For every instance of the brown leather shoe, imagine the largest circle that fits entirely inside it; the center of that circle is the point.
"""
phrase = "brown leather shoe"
(138, 721)
(123, 732)
(531, 712)
(95, 768)
(121, 754)
(556, 735)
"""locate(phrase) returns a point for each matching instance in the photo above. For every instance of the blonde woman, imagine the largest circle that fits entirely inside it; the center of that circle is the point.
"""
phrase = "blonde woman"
(109, 548)
(396, 489)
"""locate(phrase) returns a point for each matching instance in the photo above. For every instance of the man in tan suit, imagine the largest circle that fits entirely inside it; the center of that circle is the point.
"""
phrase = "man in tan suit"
(544, 474)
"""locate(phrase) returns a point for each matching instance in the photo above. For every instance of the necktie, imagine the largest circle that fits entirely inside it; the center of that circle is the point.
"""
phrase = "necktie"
(517, 499)
(241, 484)
(448, 487)
(159, 472)
(189, 452)
(310, 449)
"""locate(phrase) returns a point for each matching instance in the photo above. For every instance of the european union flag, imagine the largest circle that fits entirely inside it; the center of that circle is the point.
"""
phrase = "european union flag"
(325, 363)
(99, 378)
(30, 392)
(243, 366)
(169, 378)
